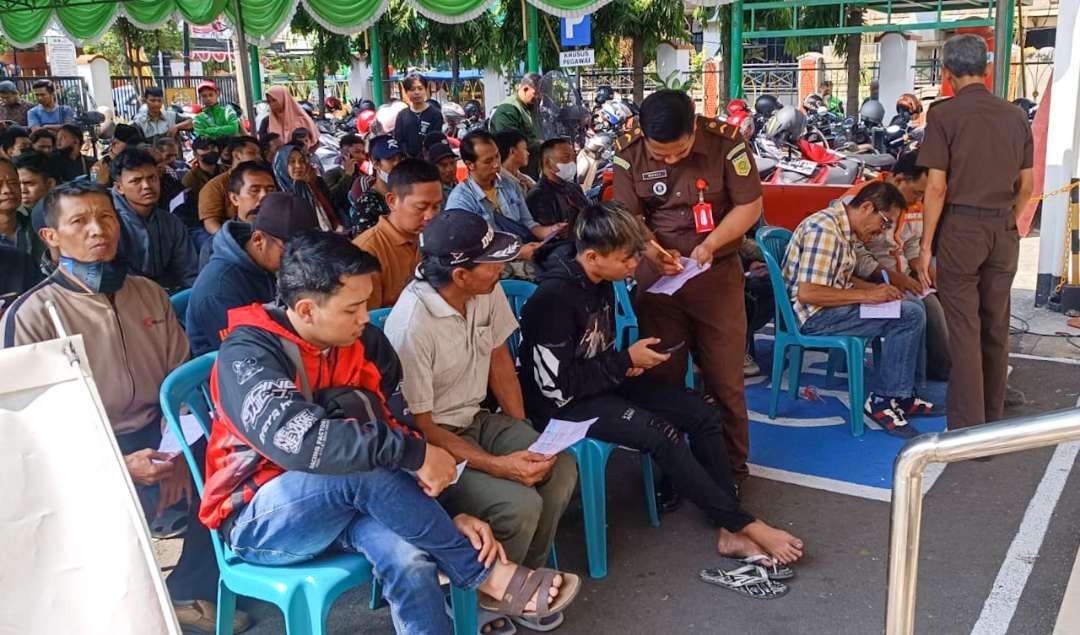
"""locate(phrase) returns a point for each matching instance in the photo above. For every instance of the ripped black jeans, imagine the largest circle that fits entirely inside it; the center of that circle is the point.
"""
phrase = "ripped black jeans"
(653, 418)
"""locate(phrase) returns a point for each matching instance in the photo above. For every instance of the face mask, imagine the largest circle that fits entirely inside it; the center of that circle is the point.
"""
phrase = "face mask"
(566, 171)
(99, 277)
(383, 176)
(210, 158)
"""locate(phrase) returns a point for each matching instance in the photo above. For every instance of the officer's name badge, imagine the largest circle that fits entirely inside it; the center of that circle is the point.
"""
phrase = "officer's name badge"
(741, 164)
(652, 176)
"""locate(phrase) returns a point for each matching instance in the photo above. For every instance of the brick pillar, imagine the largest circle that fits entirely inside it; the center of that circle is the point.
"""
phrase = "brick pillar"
(710, 71)
(811, 72)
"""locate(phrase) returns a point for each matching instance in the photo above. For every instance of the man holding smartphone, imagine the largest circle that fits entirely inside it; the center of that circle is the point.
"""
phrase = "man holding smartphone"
(571, 370)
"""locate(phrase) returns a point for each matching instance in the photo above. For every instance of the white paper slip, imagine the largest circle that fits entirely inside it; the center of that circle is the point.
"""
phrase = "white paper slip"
(192, 432)
(668, 285)
(460, 469)
(883, 311)
(559, 435)
(927, 292)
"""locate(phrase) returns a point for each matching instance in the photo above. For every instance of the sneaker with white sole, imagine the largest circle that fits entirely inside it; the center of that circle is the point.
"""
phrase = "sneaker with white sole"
(890, 418)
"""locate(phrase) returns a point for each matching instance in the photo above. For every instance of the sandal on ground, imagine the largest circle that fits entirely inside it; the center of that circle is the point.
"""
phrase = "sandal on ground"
(774, 570)
(483, 618)
(524, 584)
(541, 625)
(171, 523)
(749, 580)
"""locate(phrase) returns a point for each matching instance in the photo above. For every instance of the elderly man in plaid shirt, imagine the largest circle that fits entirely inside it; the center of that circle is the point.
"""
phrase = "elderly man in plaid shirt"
(819, 269)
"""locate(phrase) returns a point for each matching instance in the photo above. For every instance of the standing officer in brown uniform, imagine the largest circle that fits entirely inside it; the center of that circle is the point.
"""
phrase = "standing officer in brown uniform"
(979, 151)
(694, 182)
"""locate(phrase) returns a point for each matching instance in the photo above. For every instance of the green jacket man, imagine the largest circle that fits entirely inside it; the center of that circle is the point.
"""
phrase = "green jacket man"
(215, 120)
(518, 112)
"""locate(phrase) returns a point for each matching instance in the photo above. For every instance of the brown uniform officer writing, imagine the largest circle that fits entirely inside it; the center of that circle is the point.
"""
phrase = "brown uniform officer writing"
(694, 182)
(979, 151)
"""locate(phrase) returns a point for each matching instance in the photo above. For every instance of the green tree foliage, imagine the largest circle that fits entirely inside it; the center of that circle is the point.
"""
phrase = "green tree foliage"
(646, 23)
(124, 39)
(329, 52)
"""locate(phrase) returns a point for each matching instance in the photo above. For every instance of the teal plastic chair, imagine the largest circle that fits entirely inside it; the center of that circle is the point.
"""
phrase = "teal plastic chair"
(179, 302)
(304, 592)
(518, 293)
(626, 328)
(378, 317)
(790, 341)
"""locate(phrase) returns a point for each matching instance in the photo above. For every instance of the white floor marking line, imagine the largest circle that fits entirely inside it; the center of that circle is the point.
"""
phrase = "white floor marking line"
(930, 476)
(1059, 360)
(1000, 605)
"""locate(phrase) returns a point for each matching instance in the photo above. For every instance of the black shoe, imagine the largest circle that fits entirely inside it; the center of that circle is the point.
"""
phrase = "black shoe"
(667, 499)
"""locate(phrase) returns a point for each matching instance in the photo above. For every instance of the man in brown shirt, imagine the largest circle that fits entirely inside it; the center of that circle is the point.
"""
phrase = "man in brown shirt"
(12, 108)
(694, 182)
(979, 151)
(415, 197)
(215, 206)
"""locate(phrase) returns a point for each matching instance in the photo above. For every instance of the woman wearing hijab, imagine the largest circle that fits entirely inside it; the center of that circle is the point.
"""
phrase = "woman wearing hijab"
(286, 117)
(294, 174)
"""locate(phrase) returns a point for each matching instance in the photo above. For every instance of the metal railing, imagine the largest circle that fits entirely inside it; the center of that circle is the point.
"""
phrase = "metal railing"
(127, 90)
(70, 91)
(907, 496)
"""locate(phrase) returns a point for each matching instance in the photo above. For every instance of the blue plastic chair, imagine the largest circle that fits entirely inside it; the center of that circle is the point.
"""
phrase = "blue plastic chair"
(789, 340)
(304, 592)
(179, 302)
(626, 327)
(378, 317)
(518, 293)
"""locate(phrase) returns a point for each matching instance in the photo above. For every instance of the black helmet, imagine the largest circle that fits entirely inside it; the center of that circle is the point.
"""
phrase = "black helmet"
(787, 125)
(365, 104)
(766, 105)
(434, 104)
(604, 94)
(812, 103)
(872, 112)
(473, 109)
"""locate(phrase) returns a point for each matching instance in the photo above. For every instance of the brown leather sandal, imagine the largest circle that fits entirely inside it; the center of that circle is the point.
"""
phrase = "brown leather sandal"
(524, 584)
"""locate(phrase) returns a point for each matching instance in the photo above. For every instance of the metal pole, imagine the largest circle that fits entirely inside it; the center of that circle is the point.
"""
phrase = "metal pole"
(377, 66)
(256, 73)
(1003, 36)
(736, 52)
(946, 447)
(1074, 223)
(532, 61)
(245, 68)
(187, 49)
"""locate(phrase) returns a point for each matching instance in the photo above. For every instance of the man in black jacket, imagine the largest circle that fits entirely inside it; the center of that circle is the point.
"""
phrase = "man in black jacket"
(557, 198)
(572, 370)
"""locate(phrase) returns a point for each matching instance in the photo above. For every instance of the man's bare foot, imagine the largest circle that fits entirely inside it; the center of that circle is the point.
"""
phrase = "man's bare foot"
(776, 543)
(736, 545)
(499, 579)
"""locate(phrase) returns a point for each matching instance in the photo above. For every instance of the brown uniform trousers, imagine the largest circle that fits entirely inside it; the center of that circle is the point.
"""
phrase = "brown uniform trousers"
(708, 313)
(982, 143)
(977, 253)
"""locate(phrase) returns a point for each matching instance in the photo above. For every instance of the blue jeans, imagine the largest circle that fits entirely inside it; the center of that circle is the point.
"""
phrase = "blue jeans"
(900, 351)
(381, 514)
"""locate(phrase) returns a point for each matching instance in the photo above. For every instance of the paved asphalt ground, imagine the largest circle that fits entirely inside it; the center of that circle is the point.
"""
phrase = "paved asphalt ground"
(971, 517)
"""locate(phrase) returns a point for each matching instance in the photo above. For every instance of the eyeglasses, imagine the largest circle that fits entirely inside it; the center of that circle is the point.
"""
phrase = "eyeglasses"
(886, 222)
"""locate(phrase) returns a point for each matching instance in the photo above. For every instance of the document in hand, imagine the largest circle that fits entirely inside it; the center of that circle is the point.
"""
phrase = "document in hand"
(668, 285)
(885, 310)
(192, 432)
(460, 469)
(559, 435)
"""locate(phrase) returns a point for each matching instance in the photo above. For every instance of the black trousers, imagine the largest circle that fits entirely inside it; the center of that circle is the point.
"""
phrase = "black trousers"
(652, 417)
(195, 576)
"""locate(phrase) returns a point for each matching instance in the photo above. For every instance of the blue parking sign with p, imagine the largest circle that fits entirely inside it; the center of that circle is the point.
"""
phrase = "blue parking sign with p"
(575, 31)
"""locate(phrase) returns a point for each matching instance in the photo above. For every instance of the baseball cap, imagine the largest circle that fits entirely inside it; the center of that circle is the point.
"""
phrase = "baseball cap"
(385, 147)
(282, 215)
(459, 237)
(439, 151)
(203, 85)
(8, 86)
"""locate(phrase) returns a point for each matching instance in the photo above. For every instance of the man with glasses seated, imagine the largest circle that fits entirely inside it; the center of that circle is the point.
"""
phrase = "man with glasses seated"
(819, 270)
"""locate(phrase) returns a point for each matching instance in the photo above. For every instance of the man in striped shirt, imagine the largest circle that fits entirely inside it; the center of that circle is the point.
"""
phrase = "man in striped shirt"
(826, 296)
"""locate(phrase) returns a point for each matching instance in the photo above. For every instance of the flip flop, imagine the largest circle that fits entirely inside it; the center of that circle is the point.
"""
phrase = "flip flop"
(524, 584)
(171, 523)
(774, 571)
(749, 580)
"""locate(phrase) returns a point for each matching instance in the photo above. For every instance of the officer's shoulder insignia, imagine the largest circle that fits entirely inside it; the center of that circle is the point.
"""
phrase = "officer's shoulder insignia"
(621, 162)
(627, 139)
(741, 164)
(722, 129)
